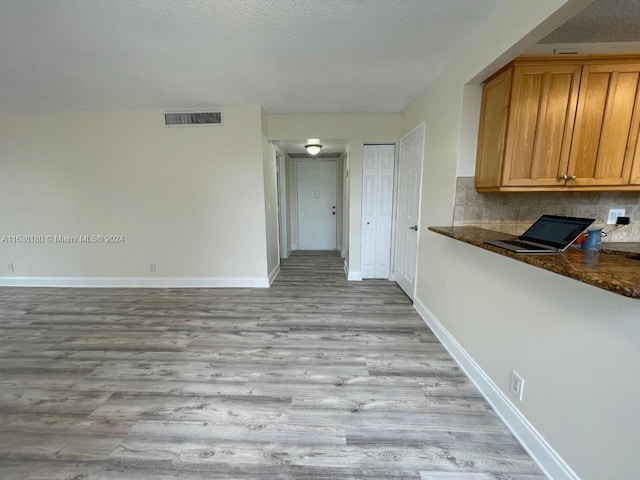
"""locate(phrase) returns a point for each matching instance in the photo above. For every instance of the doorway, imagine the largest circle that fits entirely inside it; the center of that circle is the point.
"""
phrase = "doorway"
(317, 206)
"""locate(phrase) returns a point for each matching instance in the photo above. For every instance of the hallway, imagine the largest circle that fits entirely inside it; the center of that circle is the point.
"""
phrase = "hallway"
(314, 378)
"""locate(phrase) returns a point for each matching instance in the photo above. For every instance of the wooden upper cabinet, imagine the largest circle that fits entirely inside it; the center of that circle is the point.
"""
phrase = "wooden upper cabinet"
(543, 106)
(491, 136)
(606, 126)
(635, 169)
(561, 123)
(634, 150)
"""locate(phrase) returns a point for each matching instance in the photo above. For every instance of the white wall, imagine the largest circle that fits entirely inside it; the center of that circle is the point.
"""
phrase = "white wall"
(292, 204)
(356, 130)
(470, 122)
(270, 172)
(575, 345)
(188, 199)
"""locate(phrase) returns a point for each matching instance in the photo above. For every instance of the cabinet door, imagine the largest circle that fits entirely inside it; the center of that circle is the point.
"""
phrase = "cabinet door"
(543, 107)
(493, 125)
(635, 168)
(606, 126)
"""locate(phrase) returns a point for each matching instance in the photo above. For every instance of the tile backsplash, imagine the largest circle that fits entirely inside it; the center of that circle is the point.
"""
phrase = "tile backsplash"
(514, 212)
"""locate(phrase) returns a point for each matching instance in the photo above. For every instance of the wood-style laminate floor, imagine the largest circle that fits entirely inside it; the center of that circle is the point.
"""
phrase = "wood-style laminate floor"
(314, 378)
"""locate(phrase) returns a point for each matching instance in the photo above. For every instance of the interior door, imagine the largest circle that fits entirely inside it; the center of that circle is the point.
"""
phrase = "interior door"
(409, 182)
(316, 181)
(377, 210)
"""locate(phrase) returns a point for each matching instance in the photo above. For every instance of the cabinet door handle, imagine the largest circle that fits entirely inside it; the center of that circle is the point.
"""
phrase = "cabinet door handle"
(563, 177)
(573, 177)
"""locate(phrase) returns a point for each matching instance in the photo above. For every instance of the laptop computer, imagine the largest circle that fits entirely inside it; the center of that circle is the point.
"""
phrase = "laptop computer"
(549, 234)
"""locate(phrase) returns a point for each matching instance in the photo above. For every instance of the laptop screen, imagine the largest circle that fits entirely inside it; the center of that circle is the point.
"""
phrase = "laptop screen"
(556, 231)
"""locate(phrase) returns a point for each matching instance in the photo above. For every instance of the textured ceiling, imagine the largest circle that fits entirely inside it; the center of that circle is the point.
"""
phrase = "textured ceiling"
(290, 56)
(602, 21)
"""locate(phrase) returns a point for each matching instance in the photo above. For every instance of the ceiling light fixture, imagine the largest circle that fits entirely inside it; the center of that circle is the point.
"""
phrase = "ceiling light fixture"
(313, 148)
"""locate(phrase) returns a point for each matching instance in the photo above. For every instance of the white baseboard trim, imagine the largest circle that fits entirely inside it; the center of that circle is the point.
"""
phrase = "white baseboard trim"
(353, 276)
(274, 273)
(289, 250)
(552, 465)
(136, 282)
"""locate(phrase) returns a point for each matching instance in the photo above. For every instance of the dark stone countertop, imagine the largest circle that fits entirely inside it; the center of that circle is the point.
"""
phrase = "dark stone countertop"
(621, 248)
(613, 269)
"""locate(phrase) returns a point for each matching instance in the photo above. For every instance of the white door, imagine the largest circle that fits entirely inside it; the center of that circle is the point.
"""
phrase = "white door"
(377, 210)
(317, 205)
(409, 180)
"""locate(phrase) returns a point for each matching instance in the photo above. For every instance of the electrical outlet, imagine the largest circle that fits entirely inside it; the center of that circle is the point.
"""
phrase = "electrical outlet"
(516, 385)
(614, 213)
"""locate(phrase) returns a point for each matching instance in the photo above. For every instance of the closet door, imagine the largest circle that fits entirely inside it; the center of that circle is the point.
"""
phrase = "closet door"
(377, 210)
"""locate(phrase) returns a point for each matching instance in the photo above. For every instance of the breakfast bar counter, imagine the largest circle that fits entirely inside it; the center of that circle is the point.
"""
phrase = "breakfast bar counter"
(616, 268)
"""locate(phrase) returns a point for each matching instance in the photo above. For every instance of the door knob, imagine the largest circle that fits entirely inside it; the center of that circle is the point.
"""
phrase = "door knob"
(415, 227)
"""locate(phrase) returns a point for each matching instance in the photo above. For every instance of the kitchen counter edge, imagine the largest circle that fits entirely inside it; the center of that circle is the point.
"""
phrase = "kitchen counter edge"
(613, 269)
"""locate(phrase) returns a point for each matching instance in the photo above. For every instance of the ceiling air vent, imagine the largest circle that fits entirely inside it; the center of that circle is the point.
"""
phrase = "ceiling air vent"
(193, 118)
